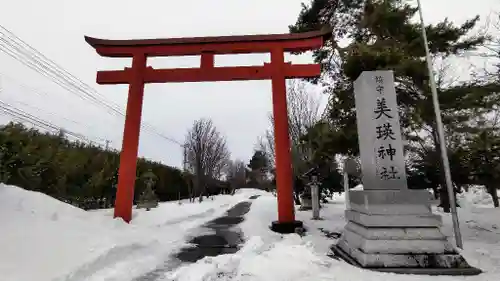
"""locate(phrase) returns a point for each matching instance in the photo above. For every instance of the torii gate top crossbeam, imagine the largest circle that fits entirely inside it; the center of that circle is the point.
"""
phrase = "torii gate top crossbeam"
(239, 44)
(207, 48)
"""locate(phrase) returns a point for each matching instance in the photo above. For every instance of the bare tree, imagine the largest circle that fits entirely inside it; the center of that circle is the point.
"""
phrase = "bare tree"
(236, 174)
(303, 113)
(494, 47)
(491, 49)
(206, 153)
(494, 43)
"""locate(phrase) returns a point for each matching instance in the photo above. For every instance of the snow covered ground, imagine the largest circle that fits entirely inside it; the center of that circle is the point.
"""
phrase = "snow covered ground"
(270, 256)
(43, 239)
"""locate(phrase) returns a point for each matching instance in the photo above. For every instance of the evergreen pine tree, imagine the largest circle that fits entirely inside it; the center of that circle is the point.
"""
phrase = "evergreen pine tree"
(381, 35)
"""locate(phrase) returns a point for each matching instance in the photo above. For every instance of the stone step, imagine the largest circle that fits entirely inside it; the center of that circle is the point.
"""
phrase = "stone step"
(391, 221)
(385, 233)
(387, 202)
(395, 246)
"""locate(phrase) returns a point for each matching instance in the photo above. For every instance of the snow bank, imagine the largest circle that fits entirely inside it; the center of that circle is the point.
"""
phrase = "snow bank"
(289, 259)
(270, 256)
(45, 239)
(292, 258)
(264, 210)
(476, 196)
(35, 204)
(42, 236)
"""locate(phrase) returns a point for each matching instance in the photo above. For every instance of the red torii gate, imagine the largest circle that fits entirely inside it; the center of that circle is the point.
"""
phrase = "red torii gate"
(207, 47)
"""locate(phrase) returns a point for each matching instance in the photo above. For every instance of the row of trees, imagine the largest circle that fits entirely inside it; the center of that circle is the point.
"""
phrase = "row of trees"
(379, 35)
(78, 173)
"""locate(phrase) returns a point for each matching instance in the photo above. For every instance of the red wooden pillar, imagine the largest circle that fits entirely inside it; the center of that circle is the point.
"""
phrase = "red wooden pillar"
(130, 144)
(284, 182)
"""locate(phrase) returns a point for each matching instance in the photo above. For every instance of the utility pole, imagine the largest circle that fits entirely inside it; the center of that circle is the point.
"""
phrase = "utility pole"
(442, 141)
(184, 160)
(107, 144)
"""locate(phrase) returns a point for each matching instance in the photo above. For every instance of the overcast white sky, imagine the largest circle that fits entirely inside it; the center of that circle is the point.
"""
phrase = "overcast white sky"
(239, 109)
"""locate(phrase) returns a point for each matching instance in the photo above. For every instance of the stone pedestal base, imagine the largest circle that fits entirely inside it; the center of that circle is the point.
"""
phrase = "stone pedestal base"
(396, 229)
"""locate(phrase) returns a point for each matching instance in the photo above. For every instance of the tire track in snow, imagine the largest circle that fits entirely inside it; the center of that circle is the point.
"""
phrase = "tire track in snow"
(107, 260)
(204, 214)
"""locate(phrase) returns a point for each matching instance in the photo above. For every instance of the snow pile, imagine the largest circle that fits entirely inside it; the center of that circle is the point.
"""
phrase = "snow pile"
(475, 196)
(42, 235)
(264, 211)
(259, 218)
(271, 256)
(45, 239)
(34, 204)
(289, 259)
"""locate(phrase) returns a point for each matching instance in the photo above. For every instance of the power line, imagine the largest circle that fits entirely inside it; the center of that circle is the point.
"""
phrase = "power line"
(38, 93)
(40, 69)
(45, 63)
(29, 56)
(21, 115)
(45, 66)
(27, 117)
(39, 110)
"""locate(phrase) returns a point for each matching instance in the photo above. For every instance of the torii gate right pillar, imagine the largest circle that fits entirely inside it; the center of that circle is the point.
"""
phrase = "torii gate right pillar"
(284, 183)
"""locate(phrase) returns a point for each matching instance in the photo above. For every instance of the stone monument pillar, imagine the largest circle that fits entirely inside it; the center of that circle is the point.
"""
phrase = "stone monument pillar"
(389, 225)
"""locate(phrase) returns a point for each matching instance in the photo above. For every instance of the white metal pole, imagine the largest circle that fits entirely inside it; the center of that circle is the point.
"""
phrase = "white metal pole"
(346, 186)
(439, 125)
(346, 191)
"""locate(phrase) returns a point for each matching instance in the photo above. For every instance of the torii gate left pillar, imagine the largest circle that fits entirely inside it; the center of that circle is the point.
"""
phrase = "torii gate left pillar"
(207, 47)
